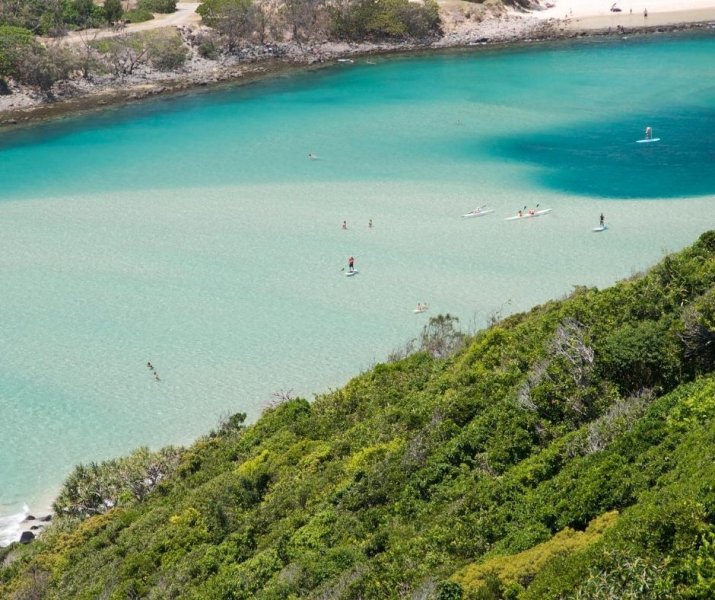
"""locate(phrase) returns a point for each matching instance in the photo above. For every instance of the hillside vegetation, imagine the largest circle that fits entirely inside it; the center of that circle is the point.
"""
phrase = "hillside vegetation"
(564, 453)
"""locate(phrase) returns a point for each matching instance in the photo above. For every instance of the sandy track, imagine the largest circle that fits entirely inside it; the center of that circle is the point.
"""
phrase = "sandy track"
(185, 15)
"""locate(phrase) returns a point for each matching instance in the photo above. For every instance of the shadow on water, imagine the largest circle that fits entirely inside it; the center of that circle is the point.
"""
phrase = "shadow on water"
(603, 159)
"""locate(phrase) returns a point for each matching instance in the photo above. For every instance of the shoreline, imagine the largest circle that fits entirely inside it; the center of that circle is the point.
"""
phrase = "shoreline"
(500, 31)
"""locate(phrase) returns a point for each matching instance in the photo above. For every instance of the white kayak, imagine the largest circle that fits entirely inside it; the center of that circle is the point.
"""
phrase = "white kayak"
(351, 273)
(528, 214)
(600, 228)
(419, 310)
(479, 212)
(647, 141)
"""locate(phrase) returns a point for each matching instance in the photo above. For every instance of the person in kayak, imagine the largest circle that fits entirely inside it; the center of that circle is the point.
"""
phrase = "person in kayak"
(351, 264)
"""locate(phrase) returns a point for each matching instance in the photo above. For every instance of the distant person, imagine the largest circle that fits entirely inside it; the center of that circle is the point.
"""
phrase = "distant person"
(648, 133)
(351, 264)
(312, 156)
(645, 13)
(149, 366)
(601, 220)
(369, 223)
(344, 225)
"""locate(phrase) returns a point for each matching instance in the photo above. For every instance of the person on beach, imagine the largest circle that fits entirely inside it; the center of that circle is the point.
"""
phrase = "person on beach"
(344, 225)
(648, 133)
(645, 13)
(601, 220)
(351, 264)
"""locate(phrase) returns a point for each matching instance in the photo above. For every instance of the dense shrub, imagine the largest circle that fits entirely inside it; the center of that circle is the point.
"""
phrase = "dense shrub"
(157, 6)
(166, 50)
(386, 19)
(137, 16)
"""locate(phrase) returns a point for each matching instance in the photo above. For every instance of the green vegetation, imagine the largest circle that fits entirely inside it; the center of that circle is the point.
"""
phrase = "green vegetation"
(400, 19)
(157, 6)
(162, 48)
(250, 21)
(137, 16)
(52, 17)
(564, 453)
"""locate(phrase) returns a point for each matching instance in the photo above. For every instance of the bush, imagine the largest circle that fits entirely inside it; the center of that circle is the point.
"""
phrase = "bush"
(13, 42)
(166, 52)
(396, 19)
(208, 46)
(157, 6)
(640, 356)
(138, 16)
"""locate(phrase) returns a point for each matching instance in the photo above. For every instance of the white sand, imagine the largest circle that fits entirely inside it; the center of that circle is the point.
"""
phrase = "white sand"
(596, 14)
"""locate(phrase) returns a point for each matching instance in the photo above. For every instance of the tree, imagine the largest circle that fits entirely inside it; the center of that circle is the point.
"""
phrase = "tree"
(303, 18)
(42, 67)
(440, 337)
(13, 41)
(124, 52)
(112, 10)
(237, 20)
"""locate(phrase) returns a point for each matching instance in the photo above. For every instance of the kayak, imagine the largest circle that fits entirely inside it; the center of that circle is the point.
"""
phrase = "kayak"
(529, 215)
(479, 212)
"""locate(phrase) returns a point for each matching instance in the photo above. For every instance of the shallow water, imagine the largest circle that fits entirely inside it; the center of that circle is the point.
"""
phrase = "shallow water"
(196, 234)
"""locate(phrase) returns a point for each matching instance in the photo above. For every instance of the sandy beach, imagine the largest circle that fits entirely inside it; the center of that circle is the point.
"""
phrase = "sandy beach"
(597, 14)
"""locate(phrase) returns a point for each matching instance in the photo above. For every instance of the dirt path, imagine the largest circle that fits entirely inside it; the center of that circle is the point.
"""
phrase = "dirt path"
(185, 15)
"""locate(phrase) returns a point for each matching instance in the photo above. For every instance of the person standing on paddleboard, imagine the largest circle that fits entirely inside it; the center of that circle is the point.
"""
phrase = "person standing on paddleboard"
(351, 264)
(601, 221)
(648, 133)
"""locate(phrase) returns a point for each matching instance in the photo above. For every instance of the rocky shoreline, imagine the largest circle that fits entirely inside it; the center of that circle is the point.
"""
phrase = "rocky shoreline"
(22, 107)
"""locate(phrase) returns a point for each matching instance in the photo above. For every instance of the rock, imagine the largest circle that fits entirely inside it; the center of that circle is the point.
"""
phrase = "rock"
(46, 519)
(34, 527)
(30, 518)
(27, 537)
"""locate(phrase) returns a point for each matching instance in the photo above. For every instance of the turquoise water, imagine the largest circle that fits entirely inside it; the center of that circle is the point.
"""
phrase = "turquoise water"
(195, 233)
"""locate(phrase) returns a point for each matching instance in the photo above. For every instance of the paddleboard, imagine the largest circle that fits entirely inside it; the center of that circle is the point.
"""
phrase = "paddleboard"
(528, 215)
(647, 141)
(600, 228)
(351, 273)
(419, 310)
(479, 213)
